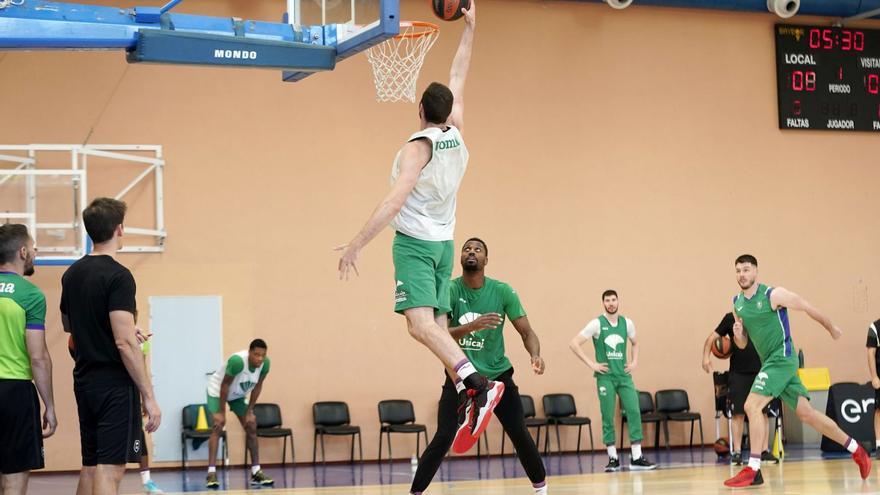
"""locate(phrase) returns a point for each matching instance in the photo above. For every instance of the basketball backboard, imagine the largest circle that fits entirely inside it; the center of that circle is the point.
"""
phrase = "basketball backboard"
(351, 25)
(46, 187)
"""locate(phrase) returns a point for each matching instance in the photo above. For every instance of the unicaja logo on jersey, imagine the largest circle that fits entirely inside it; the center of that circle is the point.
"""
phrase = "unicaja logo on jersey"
(760, 380)
(612, 341)
(603, 391)
(471, 343)
(399, 294)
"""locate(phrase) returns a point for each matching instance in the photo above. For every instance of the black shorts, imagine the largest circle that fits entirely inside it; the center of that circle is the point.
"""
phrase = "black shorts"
(21, 433)
(877, 400)
(740, 384)
(110, 425)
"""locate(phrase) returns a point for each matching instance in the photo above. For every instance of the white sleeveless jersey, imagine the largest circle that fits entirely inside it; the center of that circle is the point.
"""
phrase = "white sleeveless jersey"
(429, 211)
(241, 384)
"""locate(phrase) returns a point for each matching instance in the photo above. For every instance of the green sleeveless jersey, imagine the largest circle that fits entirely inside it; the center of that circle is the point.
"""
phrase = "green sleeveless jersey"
(767, 328)
(22, 308)
(610, 345)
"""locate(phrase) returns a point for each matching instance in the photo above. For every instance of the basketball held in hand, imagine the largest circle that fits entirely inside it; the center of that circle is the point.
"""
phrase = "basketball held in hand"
(721, 348)
(449, 10)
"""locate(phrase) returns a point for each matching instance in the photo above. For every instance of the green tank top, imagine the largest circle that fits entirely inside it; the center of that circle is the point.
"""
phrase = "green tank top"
(610, 345)
(767, 328)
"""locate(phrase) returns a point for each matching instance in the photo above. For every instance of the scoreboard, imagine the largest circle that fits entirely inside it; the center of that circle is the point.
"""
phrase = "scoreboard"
(828, 78)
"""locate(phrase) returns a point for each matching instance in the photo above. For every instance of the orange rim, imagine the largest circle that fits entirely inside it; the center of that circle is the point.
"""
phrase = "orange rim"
(427, 28)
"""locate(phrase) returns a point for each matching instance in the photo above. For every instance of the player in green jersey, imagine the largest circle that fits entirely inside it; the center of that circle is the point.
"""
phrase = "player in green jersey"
(238, 383)
(610, 333)
(24, 361)
(479, 307)
(761, 314)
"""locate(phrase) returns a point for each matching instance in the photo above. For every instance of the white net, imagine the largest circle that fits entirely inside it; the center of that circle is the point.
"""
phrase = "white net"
(397, 62)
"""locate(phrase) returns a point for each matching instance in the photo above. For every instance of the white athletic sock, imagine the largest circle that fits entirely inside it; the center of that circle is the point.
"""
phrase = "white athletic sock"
(636, 449)
(612, 451)
(877, 445)
(465, 369)
(755, 462)
(459, 386)
(255, 469)
(212, 469)
(851, 445)
(145, 476)
(540, 488)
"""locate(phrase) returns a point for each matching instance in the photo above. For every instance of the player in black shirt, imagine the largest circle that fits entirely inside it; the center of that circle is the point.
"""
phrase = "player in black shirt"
(109, 378)
(744, 367)
(873, 365)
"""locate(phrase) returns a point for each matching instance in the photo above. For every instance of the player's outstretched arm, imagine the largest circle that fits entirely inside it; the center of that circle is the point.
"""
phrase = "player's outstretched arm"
(460, 65)
(414, 156)
(530, 342)
(785, 298)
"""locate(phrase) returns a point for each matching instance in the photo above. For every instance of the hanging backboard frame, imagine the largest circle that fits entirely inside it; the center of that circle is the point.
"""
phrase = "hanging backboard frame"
(28, 171)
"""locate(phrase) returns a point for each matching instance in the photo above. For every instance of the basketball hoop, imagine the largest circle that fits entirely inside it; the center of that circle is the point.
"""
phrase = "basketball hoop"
(397, 62)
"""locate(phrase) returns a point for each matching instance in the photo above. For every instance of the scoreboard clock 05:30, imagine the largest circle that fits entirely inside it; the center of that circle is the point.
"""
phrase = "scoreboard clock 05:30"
(828, 78)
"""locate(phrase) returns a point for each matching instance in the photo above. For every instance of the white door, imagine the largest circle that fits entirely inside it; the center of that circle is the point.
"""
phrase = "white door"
(187, 348)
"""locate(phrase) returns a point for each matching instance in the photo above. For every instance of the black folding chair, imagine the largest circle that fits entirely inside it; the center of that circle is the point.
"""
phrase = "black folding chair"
(269, 426)
(331, 418)
(560, 410)
(674, 405)
(397, 416)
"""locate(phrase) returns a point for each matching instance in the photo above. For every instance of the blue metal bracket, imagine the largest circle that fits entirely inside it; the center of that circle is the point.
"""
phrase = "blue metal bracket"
(152, 34)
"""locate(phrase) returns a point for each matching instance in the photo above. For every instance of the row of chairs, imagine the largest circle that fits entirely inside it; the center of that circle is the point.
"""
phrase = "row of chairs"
(397, 416)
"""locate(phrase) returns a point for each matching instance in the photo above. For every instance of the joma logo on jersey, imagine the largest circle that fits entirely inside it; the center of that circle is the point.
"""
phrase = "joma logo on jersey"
(245, 386)
(236, 54)
(8, 288)
(447, 144)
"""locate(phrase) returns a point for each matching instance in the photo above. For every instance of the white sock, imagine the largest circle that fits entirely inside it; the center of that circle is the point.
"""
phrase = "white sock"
(255, 469)
(636, 450)
(465, 369)
(540, 488)
(612, 451)
(877, 445)
(755, 462)
(145, 476)
(851, 445)
(212, 469)
(459, 386)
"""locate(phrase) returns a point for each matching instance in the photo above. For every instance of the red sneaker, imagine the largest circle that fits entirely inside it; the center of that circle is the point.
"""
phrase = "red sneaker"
(478, 412)
(484, 403)
(864, 461)
(464, 440)
(746, 477)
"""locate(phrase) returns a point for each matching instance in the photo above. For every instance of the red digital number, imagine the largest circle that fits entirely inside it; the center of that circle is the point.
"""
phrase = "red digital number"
(872, 83)
(803, 80)
(796, 107)
(846, 40)
(859, 41)
(827, 41)
(815, 38)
